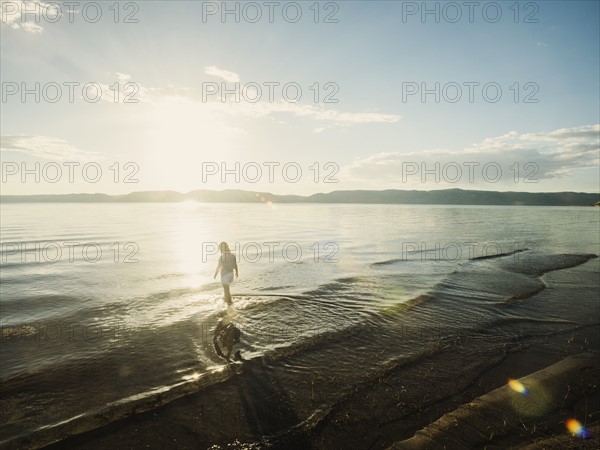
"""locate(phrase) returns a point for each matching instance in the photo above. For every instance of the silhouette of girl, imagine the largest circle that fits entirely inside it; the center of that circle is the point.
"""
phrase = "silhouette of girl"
(227, 264)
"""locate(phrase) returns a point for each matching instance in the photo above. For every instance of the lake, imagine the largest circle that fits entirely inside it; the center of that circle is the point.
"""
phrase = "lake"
(106, 304)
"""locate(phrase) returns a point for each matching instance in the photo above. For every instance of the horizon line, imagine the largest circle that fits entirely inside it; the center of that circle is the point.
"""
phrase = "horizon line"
(293, 195)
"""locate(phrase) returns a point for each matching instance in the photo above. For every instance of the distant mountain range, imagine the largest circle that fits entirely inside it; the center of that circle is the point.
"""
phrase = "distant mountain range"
(390, 196)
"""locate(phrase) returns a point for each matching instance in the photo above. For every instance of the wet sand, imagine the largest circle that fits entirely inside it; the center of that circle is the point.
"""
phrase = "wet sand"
(376, 415)
(505, 416)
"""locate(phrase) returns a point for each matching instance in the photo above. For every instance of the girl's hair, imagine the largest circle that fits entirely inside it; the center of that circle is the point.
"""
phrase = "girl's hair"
(224, 247)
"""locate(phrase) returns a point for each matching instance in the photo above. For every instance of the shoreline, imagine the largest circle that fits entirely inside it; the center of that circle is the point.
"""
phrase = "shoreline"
(508, 415)
(266, 403)
(196, 421)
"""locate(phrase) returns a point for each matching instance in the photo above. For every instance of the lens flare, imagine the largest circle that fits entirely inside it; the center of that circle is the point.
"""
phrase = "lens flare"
(517, 386)
(576, 428)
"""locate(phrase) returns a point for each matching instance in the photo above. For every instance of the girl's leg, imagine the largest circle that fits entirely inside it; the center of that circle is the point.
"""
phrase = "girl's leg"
(227, 293)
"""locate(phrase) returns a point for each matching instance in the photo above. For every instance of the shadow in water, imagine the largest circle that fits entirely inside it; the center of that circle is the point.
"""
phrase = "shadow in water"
(268, 408)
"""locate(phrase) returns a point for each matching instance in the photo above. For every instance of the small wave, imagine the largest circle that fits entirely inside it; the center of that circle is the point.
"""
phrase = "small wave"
(499, 255)
(401, 307)
(289, 295)
(10, 332)
(512, 320)
(387, 262)
(337, 286)
(249, 301)
(349, 280)
(161, 295)
(171, 275)
(274, 288)
(526, 295)
(503, 281)
(39, 308)
(538, 264)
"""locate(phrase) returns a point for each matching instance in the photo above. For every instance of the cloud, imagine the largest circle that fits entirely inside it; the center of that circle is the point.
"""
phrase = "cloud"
(503, 160)
(126, 90)
(581, 133)
(332, 115)
(45, 147)
(228, 76)
(28, 26)
(262, 108)
(123, 76)
(26, 15)
(315, 112)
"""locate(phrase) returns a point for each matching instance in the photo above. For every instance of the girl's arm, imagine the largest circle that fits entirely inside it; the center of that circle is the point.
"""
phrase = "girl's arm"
(218, 268)
(236, 269)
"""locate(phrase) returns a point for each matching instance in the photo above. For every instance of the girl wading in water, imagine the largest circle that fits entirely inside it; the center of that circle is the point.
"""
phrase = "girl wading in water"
(227, 264)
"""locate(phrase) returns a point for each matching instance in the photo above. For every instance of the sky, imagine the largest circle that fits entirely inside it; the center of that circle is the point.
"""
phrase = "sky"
(299, 97)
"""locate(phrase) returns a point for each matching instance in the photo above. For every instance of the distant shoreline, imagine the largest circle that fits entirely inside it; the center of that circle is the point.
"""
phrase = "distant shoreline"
(390, 196)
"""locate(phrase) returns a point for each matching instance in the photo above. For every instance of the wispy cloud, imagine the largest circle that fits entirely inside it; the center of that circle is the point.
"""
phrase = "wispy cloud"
(522, 158)
(315, 112)
(45, 147)
(332, 115)
(123, 76)
(264, 107)
(228, 76)
(26, 15)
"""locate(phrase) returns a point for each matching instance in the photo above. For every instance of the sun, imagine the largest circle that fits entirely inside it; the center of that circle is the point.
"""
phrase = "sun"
(180, 135)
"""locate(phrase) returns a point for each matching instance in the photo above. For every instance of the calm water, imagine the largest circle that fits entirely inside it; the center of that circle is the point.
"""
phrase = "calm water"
(103, 304)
